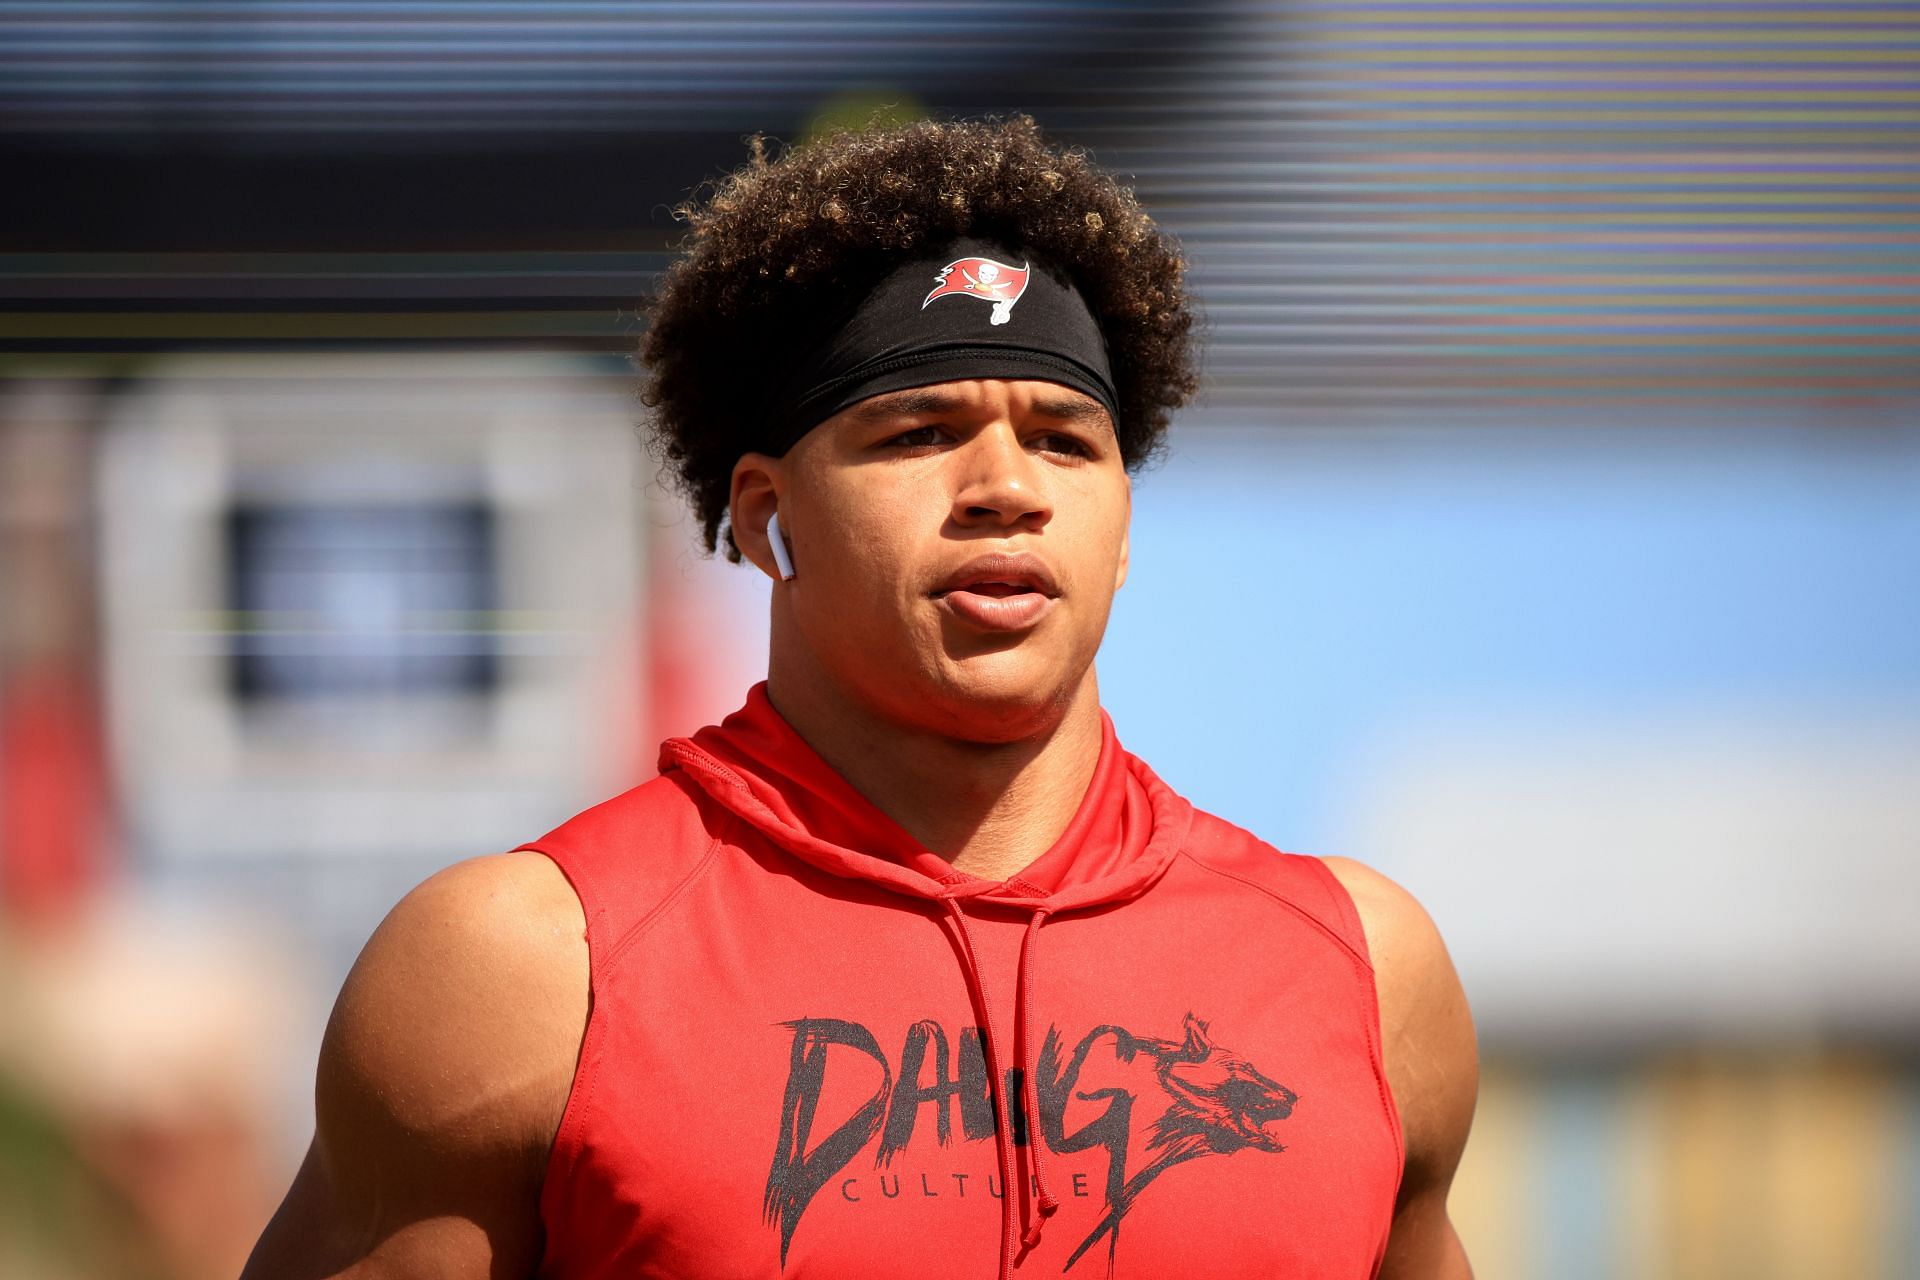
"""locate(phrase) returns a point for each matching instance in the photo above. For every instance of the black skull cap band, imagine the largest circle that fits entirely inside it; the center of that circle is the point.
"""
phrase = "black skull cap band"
(973, 309)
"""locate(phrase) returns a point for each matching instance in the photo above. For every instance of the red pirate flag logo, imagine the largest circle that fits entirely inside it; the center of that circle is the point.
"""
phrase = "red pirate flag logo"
(997, 282)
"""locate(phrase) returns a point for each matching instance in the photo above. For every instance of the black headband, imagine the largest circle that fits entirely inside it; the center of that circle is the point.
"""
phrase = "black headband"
(971, 310)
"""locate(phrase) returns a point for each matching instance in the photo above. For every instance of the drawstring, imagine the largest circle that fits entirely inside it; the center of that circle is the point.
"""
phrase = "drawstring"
(996, 1087)
(1045, 1203)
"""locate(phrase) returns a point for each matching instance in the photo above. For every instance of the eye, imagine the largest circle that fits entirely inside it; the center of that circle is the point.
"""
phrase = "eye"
(1060, 442)
(919, 436)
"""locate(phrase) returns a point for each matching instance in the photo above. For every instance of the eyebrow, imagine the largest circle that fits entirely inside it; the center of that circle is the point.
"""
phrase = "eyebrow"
(906, 404)
(1077, 409)
(916, 402)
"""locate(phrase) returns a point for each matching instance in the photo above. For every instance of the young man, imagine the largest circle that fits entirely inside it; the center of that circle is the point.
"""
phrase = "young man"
(908, 967)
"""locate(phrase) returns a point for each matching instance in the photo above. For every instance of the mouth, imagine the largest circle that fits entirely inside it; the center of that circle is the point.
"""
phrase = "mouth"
(1261, 1140)
(1004, 592)
(1255, 1122)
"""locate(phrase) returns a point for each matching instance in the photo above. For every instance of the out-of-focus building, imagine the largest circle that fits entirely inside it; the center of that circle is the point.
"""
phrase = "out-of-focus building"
(367, 615)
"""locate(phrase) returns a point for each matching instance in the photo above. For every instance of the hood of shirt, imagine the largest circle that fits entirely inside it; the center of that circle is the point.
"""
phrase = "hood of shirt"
(1124, 834)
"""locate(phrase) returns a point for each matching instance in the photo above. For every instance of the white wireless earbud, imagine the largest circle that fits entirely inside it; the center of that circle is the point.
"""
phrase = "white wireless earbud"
(779, 544)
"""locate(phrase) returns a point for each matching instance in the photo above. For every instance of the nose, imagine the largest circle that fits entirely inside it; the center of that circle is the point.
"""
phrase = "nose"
(1001, 484)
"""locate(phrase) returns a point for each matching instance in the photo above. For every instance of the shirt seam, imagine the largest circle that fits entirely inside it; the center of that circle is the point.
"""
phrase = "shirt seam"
(1363, 961)
(618, 950)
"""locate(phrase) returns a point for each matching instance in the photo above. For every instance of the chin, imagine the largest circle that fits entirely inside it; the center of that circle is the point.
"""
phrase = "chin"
(1016, 691)
(996, 698)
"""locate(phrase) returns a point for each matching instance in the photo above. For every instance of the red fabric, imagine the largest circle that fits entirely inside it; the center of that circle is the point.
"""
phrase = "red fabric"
(801, 1016)
(52, 796)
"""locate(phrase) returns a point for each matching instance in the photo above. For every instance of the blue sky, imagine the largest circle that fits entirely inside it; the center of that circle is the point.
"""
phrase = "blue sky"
(1296, 596)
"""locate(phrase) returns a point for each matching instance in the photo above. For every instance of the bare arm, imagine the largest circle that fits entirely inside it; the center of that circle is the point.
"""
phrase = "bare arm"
(1432, 1065)
(443, 1075)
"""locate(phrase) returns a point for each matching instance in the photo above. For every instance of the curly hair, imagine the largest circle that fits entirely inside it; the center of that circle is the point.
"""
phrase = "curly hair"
(790, 245)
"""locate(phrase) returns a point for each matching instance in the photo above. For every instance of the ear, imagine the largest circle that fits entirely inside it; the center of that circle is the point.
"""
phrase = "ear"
(1197, 1046)
(1120, 579)
(758, 481)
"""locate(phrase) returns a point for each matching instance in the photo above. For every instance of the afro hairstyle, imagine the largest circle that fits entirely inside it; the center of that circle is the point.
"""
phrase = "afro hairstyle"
(790, 244)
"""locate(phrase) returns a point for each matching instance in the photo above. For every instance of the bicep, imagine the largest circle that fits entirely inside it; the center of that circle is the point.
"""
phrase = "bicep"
(373, 1202)
(442, 1075)
(1424, 1245)
(1432, 1065)
(326, 1229)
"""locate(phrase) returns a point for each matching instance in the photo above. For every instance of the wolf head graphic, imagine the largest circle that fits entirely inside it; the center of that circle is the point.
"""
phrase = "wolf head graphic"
(1218, 1102)
(1212, 1101)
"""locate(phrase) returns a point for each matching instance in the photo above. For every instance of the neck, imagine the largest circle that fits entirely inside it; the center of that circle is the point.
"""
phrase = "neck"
(989, 808)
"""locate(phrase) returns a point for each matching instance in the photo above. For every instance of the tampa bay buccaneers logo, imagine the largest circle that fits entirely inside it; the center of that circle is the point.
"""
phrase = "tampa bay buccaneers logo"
(997, 282)
(1147, 1103)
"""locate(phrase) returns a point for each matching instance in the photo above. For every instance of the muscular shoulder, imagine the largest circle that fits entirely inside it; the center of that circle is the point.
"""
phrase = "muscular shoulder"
(1428, 1045)
(460, 1022)
(443, 1075)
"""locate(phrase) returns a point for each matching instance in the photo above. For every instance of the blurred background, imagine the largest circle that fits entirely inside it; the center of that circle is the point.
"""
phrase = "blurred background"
(1547, 535)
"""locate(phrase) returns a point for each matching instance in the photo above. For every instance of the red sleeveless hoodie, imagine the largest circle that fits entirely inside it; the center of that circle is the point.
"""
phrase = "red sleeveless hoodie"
(817, 1051)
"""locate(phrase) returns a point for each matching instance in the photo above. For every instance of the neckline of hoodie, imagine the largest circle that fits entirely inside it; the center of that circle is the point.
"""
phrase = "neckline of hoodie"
(1125, 831)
